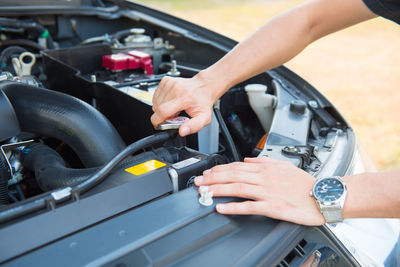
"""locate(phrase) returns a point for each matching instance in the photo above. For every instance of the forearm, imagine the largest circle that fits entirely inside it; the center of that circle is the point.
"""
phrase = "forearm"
(270, 46)
(373, 195)
(282, 38)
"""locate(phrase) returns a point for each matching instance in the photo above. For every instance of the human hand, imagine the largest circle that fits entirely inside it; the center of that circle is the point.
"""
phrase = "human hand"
(194, 95)
(275, 189)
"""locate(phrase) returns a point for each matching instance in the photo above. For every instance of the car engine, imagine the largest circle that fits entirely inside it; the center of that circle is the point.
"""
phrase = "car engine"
(59, 138)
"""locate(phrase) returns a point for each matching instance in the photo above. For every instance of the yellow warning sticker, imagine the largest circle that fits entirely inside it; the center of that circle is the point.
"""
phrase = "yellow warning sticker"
(144, 96)
(145, 167)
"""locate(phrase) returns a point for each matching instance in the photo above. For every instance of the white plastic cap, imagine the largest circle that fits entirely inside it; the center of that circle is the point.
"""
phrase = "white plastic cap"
(205, 196)
(255, 87)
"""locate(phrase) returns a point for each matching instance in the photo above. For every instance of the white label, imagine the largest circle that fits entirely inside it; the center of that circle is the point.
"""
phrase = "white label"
(185, 163)
(61, 193)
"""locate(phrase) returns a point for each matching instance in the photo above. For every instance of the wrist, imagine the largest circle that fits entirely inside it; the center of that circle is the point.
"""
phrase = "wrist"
(215, 83)
(361, 197)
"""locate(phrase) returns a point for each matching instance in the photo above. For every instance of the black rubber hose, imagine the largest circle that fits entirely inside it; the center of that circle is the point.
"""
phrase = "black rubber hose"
(23, 43)
(121, 34)
(226, 134)
(4, 177)
(6, 55)
(28, 25)
(51, 171)
(93, 138)
(12, 197)
(101, 174)
(50, 168)
(22, 208)
(9, 22)
(38, 203)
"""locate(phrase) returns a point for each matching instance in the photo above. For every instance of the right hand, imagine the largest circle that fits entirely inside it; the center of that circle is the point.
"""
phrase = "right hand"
(273, 188)
(192, 95)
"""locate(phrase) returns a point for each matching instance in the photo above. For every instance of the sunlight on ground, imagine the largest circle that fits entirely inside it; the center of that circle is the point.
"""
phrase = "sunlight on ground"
(357, 69)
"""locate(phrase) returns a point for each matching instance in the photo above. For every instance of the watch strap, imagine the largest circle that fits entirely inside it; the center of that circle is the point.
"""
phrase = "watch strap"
(332, 214)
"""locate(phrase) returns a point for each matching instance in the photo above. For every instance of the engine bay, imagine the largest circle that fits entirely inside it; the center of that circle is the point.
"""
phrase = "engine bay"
(99, 101)
(75, 131)
(72, 102)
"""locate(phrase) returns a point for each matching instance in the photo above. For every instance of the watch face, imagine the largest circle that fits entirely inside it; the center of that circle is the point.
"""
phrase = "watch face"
(328, 190)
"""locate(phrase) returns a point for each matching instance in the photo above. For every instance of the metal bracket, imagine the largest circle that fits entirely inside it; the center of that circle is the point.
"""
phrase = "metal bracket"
(308, 155)
(5, 147)
(304, 152)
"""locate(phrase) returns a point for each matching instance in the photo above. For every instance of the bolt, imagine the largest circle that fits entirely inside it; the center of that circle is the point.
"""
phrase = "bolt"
(174, 70)
(313, 104)
(144, 85)
(290, 149)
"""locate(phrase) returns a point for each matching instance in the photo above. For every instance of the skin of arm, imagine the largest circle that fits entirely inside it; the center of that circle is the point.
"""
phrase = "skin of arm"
(273, 188)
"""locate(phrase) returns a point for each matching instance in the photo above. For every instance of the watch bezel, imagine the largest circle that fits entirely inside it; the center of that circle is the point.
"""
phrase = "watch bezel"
(333, 202)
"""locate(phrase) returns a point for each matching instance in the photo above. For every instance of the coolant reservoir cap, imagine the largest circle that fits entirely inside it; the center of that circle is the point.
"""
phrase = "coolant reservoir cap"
(255, 87)
(179, 119)
(172, 123)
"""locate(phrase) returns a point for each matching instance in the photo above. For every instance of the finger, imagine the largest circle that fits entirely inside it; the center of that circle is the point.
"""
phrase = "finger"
(242, 208)
(241, 190)
(259, 160)
(156, 96)
(155, 119)
(154, 99)
(235, 166)
(161, 91)
(195, 124)
(225, 177)
(166, 110)
(263, 208)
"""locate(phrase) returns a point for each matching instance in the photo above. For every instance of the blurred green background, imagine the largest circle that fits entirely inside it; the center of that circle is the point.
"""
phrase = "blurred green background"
(358, 69)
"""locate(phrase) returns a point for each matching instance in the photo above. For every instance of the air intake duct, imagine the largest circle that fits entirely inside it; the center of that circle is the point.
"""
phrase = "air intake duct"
(93, 138)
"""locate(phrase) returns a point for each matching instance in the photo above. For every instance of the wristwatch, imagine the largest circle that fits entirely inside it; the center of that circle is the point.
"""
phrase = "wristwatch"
(330, 194)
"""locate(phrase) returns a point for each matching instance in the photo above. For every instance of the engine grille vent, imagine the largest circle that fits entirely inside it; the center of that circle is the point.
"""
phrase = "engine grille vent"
(297, 251)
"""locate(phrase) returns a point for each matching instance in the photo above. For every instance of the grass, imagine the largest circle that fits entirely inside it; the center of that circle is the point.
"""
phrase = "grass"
(357, 69)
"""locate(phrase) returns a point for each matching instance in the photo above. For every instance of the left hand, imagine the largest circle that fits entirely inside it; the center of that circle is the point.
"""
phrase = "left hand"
(275, 189)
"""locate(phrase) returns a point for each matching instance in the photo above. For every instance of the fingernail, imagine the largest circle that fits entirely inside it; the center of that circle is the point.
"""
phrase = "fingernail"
(206, 172)
(198, 180)
(220, 208)
(185, 130)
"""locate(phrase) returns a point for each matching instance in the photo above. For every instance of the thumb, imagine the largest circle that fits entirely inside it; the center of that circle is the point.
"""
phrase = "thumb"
(194, 125)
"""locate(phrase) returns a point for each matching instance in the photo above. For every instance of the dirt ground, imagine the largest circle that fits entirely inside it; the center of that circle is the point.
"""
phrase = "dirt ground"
(357, 69)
